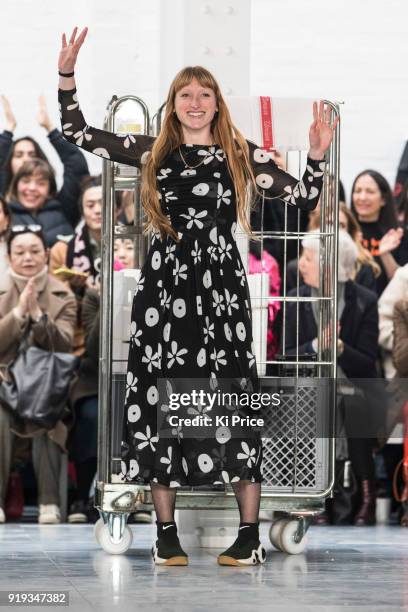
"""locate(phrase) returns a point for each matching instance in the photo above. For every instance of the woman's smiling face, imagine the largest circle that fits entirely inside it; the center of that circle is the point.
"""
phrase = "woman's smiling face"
(195, 107)
(367, 199)
(33, 190)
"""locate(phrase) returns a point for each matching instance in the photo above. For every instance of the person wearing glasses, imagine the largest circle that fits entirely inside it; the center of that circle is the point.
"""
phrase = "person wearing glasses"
(191, 314)
(30, 296)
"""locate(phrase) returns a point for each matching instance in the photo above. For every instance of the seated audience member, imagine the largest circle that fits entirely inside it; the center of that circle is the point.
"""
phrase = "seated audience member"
(357, 349)
(397, 289)
(372, 203)
(84, 398)
(13, 154)
(4, 227)
(400, 360)
(82, 252)
(30, 296)
(84, 403)
(367, 269)
(124, 254)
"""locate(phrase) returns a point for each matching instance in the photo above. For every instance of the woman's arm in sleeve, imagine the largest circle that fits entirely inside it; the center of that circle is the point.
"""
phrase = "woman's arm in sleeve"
(75, 168)
(6, 142)
(124, 148)
(276, 183)
(294, 320)
(12, 328)
(67, 152)
(90, 321)
(359, 361)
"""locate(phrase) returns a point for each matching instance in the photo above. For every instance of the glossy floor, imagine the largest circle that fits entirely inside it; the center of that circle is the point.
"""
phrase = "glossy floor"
(342, 569)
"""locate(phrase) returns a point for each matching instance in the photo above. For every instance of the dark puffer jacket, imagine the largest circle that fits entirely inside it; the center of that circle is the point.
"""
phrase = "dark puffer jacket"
(60, 214)
(52, 217)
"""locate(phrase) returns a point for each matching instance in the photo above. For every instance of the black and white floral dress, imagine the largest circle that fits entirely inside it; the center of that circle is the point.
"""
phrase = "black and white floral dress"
(191, 314)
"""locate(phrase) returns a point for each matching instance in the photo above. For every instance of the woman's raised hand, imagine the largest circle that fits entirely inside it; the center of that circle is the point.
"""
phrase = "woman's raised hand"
(321, 131)
(10, 118)
(43, 117)
(69, 51)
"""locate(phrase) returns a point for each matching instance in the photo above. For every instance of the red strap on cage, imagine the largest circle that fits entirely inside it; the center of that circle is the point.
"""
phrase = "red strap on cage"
(266, 123)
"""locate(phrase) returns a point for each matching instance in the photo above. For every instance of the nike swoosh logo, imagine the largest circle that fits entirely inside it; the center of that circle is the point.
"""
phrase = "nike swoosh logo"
(167, 526)
(243, 527)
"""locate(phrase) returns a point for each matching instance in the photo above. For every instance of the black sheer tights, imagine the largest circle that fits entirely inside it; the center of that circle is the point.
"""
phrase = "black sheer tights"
(247, 495)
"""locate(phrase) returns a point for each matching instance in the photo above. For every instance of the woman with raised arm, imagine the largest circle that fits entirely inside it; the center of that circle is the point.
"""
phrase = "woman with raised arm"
(61, 206)
(191, 315)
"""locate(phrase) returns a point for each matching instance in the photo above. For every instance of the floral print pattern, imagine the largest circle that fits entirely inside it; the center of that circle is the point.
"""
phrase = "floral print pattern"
(190, 316)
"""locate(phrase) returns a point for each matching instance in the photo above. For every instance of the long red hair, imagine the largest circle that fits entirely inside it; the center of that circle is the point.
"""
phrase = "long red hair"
(225, 134)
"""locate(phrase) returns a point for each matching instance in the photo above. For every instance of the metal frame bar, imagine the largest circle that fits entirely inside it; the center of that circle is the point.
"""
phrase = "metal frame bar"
(106, 492)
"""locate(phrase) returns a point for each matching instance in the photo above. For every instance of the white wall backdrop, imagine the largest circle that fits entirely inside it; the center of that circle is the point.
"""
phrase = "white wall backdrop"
(120, 55)
(347, 51)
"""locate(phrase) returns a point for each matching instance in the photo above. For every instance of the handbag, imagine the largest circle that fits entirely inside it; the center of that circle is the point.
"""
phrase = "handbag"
(36, 384)
(343, 505)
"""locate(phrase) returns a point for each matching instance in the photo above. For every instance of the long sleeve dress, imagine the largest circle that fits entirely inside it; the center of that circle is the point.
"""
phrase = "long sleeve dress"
(191, 318)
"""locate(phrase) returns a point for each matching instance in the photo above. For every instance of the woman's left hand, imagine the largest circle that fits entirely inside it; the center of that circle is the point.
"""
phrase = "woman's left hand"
(390, 241)
(321, 131)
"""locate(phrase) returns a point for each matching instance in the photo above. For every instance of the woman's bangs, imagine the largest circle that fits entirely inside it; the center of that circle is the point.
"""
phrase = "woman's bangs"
(41, 173)
(202, 77)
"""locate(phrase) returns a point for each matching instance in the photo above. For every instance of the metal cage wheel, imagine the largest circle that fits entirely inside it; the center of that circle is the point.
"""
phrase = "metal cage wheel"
(287, 539)
(275, 531)
(114, 548)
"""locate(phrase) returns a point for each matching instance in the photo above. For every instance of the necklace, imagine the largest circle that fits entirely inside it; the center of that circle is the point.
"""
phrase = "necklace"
(198, 165)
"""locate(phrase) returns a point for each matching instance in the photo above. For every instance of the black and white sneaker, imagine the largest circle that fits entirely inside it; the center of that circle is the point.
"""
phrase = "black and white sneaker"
(247, 548)
(251, 553)
(167, 549)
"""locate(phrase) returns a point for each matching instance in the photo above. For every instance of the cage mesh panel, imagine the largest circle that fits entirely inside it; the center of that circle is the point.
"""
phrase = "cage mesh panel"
(290, 446)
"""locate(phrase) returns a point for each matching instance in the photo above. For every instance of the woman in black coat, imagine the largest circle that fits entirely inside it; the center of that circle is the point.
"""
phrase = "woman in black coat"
(27, 180)
(32, 200)
(357, 352)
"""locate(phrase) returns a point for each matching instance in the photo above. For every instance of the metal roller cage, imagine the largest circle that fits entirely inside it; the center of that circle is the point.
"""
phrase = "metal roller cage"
(298, 437)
